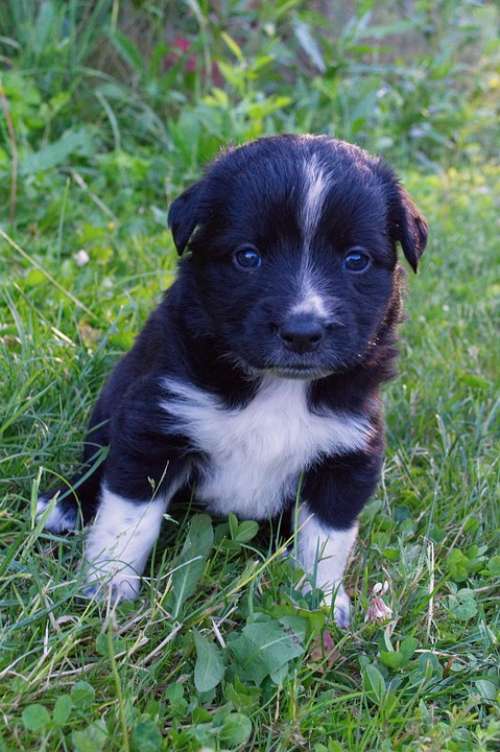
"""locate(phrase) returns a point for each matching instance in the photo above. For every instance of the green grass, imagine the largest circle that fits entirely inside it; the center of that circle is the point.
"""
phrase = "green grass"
(104, 138)
(430, 531)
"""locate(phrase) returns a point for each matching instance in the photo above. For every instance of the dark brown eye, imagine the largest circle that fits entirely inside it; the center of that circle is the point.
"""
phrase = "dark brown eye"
(356, 261)
(247, 257)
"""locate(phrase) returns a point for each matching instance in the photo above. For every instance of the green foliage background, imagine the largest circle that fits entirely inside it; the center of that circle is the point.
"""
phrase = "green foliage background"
(108, 109)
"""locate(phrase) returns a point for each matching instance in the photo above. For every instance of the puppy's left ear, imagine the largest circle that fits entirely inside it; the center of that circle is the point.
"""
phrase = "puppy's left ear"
(408, 225)
(184, 214)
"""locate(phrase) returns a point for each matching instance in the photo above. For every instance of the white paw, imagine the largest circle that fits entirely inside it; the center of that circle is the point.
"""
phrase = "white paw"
(104, 583)
(341, 606)
(58, 519)
(341, 603)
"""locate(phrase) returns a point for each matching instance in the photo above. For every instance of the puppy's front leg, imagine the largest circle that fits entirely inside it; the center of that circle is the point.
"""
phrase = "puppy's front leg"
(323, 553)
(120, 541)
(334, 493)
(145, 467)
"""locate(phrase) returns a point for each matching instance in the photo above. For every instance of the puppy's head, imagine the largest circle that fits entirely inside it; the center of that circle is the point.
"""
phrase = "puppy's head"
(293, 251)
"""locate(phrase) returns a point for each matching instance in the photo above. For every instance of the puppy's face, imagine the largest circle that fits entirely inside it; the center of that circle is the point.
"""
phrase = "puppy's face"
(293, 244)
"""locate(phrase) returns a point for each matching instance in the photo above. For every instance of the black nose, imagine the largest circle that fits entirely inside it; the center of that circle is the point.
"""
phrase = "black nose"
(302, 333)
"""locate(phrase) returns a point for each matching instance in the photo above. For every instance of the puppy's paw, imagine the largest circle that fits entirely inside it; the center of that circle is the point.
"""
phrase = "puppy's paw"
(123, 585)
(342, 610)
(341, 606)
(61, 518)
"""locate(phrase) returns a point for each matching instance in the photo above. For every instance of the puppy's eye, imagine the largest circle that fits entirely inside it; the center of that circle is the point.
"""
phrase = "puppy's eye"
(356, 261)
(247, 257)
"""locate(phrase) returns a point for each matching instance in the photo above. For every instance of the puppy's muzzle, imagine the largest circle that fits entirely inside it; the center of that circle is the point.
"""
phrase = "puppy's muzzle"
(302, 333)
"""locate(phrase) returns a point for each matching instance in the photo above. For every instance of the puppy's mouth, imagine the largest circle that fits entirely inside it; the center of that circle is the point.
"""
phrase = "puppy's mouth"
(305, 372)
(298, 370)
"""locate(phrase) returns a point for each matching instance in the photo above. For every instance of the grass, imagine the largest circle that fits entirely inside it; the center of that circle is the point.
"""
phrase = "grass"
(430, 532)
(223, 652)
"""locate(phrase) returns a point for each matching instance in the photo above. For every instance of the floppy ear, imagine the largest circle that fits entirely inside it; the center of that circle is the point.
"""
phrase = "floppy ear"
(408, 226)
(184, 215)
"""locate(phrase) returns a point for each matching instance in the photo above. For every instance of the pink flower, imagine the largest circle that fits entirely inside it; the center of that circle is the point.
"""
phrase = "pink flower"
(378, 610)
(179, 52)
(191, 64)
(180, 46)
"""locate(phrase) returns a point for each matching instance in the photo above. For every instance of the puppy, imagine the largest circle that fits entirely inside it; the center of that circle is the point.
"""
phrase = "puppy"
(259, 373)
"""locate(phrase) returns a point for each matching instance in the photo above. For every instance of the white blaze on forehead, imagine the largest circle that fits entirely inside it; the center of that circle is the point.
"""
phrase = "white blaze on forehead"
(310, 300)
(316, 182)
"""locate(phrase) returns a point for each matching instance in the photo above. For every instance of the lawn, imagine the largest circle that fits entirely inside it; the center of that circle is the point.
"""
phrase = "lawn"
(224, 652)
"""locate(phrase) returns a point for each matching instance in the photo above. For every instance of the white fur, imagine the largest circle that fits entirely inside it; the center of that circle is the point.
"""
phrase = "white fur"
(310, 297)
(120, 541)
(57, 520)
(311, 302)
(255, 454)
(316, 182)
(323, 553)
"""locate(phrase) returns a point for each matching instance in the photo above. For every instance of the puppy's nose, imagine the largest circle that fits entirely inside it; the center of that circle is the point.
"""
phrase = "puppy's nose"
(302, 333)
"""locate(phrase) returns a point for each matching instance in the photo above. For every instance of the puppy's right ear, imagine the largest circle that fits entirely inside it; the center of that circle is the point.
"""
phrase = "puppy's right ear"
(184, 215)
(410, 227)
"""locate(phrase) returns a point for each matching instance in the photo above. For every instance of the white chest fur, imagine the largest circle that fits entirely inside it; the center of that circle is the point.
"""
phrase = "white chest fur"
(256, 453)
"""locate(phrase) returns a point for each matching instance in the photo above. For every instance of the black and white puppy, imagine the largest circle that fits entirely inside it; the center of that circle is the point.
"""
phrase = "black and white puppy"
(261, 366)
